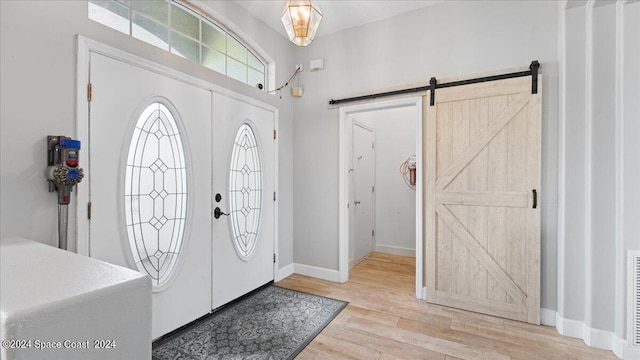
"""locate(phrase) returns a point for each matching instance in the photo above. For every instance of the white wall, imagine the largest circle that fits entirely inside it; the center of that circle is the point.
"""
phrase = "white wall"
(628, 143)
(575, 169)
(37, 64)
(631, 115)
(603, 160)
(395, 207)
(628, 134)
(446, 39)
(599, 172)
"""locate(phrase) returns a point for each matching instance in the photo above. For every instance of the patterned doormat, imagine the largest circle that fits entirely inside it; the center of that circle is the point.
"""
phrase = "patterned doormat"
(273, 323)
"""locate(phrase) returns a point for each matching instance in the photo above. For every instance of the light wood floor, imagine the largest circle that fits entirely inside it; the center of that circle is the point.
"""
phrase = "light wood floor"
(384, 320)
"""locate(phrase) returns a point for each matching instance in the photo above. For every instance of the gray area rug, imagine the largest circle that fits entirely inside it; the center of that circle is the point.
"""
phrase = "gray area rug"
(273, 323)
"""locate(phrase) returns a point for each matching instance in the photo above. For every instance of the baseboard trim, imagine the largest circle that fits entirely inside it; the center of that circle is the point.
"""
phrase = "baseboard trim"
(571, 328)
(547, 317)
(601, 339)
(284, 272)
(317, 272)
(578, 329)
(630, 352)
(598, 338)
(618, 348)
(307, 270)
(395, 250)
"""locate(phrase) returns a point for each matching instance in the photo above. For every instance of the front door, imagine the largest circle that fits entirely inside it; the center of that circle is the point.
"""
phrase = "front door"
(482, 220)
(149, 176)
(244, 194)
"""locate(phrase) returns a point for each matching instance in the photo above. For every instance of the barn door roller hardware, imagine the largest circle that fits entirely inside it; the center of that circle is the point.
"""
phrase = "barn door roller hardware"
(433, 85)
(533, 71)
(534, 67)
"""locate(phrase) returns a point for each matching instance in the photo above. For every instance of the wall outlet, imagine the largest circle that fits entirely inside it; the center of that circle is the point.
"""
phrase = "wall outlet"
(316, 65)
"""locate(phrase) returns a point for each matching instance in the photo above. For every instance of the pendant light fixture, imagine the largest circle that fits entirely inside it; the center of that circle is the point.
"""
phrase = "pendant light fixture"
(301, 19)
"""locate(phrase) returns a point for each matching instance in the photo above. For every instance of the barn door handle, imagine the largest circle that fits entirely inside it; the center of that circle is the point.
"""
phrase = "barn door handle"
(217, 213)
(535, 198)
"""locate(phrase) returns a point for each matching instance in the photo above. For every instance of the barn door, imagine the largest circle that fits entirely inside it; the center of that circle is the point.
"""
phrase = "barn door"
(482, 176)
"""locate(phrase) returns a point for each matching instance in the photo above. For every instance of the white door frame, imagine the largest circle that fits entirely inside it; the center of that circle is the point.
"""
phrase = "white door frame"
(343, 247)
(84, 47)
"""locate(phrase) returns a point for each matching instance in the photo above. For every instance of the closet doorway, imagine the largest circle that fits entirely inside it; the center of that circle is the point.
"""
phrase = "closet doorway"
(380, 209)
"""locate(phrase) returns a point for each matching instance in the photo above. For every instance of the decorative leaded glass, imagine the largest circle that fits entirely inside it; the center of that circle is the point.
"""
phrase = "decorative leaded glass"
(245, 191)
(155, 193)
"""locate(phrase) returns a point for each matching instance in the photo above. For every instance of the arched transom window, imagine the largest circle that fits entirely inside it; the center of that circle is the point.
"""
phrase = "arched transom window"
(175, 27)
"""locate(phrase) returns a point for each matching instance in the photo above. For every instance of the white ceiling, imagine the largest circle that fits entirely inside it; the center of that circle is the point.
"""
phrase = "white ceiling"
(337, 14)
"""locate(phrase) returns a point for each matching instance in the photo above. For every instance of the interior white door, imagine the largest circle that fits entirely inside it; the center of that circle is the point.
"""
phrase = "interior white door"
(149, 173)
(243, 176)
(364, 175)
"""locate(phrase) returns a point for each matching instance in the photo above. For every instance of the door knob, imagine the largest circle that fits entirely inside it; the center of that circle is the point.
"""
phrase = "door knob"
(217, 213)
(356, 202)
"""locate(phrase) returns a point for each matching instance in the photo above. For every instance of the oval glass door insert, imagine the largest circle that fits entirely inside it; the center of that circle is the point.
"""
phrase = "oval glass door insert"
(245, 191)
(155, 193)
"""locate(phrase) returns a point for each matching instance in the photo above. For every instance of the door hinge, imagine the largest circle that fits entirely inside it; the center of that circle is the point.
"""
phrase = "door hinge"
(274, 134)
(89, 210)
(89, 92)
(274, 258)
(373, 145)
(373, 189)
(274, 196)
(373, 233)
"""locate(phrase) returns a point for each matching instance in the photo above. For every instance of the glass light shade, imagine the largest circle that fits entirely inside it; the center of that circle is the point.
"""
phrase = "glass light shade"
(301, 19)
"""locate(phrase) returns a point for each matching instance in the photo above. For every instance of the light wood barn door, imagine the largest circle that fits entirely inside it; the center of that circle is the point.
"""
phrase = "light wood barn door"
(482, 231)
